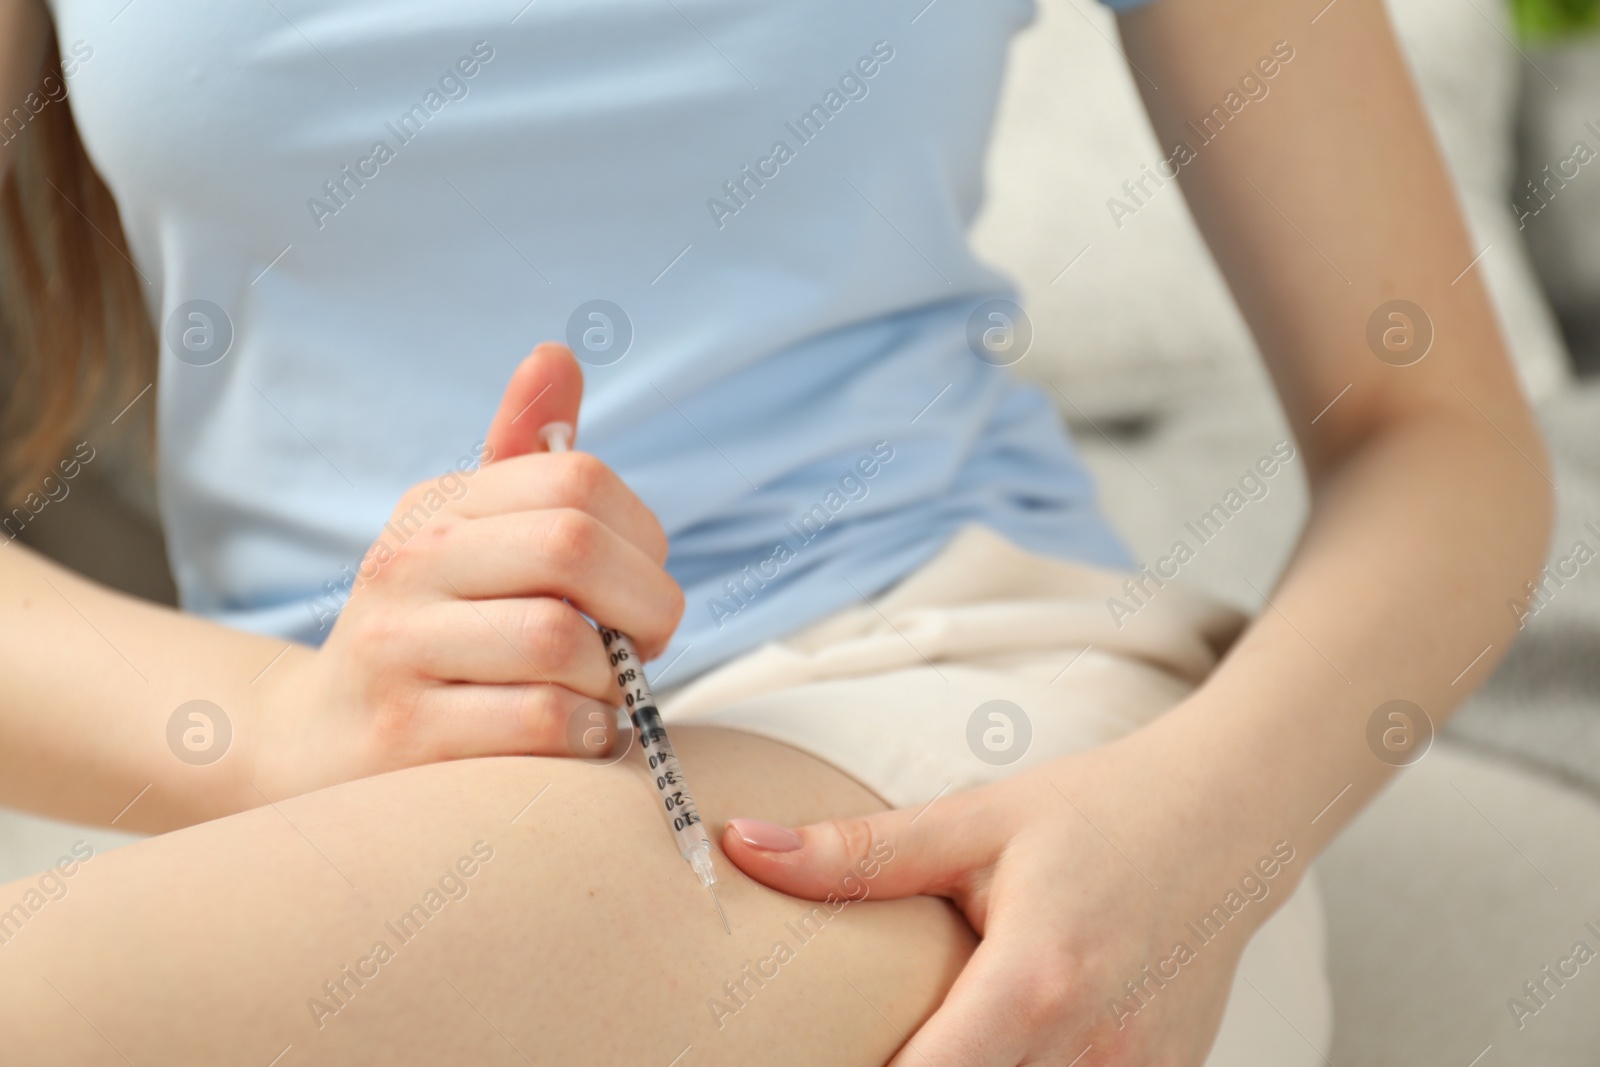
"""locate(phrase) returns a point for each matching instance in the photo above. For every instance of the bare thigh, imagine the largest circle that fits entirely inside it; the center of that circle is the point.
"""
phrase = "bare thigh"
(445, 915)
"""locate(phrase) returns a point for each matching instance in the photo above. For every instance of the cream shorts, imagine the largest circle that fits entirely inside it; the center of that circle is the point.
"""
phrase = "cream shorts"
(894, 694)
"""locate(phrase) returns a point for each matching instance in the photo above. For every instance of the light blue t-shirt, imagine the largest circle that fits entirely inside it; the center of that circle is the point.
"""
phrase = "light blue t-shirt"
(355, 217)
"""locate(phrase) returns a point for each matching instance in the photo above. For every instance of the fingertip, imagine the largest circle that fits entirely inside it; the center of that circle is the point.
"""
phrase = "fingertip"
(547, 386)
(551, 348)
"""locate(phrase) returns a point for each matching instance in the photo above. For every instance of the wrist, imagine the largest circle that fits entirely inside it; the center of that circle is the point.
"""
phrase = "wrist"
(270, 739)
(1208, 819)
(1256, 768)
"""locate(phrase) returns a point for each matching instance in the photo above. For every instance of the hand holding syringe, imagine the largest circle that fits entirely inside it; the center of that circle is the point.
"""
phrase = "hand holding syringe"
(693, 842)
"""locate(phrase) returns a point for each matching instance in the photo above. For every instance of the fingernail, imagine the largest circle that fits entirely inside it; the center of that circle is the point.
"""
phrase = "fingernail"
(766, 836)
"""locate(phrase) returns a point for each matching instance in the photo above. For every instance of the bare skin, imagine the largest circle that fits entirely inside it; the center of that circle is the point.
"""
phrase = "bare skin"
(585, 939)
(1430, 509)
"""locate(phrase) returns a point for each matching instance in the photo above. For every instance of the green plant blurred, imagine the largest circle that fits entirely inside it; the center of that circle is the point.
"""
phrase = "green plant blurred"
(1537, 19)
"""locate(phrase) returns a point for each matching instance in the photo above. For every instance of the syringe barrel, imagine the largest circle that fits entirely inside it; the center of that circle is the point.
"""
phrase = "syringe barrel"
(661, 760)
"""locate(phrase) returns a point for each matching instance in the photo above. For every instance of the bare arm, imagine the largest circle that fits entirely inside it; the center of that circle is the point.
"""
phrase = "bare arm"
(1430, 508)
(1430, 500)
(90, 679)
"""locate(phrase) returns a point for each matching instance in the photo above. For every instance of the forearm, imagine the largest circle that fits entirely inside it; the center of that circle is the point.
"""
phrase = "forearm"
(89, 681)
(1398, 590)
(1323, 201)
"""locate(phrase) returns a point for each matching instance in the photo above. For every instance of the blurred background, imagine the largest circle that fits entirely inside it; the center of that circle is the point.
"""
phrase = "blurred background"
(1481, 865)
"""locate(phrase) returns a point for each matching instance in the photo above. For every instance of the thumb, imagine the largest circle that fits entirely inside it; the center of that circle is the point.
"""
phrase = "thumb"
(897, 853)
(546, 387)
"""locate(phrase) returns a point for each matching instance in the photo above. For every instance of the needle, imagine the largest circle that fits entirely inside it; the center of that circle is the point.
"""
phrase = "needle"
(720, 914)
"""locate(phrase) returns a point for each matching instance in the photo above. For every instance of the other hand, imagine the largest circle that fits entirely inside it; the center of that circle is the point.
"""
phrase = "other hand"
(1090, 880)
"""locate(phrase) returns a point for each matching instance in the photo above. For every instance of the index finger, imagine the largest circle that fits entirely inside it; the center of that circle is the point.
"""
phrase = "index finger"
(577, 480)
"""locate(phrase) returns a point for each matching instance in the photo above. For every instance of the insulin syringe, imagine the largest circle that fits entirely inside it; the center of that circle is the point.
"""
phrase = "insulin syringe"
(687, 829)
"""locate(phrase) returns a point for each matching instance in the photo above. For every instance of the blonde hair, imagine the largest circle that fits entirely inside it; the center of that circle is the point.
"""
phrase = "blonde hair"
(74, 333)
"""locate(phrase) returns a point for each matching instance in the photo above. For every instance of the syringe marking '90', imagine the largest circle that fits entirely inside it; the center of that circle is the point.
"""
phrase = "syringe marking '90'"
(636, 697)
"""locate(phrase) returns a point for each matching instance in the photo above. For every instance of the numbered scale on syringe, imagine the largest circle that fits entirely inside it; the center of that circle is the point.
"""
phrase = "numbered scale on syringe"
(692, 839)
(686, 829)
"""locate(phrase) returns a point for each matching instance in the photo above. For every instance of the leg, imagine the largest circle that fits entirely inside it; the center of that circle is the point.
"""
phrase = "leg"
(343, 924)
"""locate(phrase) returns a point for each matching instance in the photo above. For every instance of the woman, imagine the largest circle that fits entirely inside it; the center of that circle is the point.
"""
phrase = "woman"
(347, 221)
